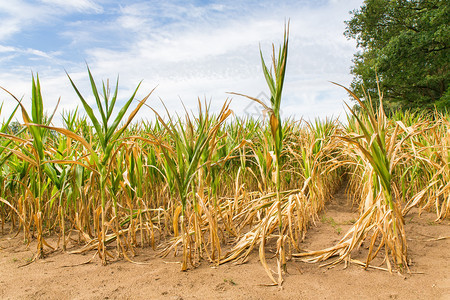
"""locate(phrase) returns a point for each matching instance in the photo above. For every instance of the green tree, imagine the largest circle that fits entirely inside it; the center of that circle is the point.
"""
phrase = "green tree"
(405, 42)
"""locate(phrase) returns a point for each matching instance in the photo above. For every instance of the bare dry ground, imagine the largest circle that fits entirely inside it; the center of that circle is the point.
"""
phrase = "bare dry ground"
(63, 276)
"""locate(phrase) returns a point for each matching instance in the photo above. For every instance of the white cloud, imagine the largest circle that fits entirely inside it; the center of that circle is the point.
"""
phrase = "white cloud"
(192, 60)
(204, 52)
(14, 16)
(29, 52)
(4, 49)
(87, 6)
(17, 15)
(9, 27)
(37, 53)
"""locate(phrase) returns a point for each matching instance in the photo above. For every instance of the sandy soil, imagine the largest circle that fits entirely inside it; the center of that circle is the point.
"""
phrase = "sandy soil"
(60, 275)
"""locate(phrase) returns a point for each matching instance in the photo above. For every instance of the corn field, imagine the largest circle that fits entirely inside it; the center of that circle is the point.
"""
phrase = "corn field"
(208, 186)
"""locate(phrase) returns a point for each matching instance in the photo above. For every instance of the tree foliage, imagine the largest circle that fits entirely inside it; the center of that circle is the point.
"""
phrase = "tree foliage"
(405, 42)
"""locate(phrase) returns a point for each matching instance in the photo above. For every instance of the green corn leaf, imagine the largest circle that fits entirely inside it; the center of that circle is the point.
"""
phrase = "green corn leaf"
(113, 100)
(98, 101)
(6, 124)
(122, 112)
(90, 113)
(37, 108)
(269, 79)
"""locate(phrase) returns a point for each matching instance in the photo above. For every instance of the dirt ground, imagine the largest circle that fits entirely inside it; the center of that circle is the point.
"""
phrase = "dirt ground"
(63, 276)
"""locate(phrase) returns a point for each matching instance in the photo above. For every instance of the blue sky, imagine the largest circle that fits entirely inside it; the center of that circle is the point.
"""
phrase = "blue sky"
(189, 49)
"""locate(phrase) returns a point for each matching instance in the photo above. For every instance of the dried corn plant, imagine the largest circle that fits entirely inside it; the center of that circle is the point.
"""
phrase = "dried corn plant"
(275, 81)
(190, 148)
(376, 152)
